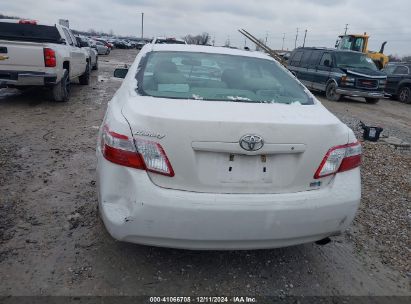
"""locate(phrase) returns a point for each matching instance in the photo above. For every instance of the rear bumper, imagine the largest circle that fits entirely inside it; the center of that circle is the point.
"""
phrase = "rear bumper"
(360, 93)
(135, 210)
(27, 78)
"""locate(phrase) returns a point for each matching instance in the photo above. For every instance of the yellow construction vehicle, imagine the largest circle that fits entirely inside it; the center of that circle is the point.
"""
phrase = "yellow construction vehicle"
(359, 43)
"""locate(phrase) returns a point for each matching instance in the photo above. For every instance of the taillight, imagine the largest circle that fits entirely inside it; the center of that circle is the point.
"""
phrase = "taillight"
(339, 159)
(139, 154)
(49, 57)
(27, 21)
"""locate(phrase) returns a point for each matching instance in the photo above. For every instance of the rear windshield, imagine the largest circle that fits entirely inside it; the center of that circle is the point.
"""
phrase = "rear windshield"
(29, 32)
(354, 60)
(169, 41)
(205, 76)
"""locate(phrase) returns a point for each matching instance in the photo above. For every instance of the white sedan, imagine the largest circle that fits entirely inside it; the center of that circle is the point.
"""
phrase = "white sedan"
(215, 148)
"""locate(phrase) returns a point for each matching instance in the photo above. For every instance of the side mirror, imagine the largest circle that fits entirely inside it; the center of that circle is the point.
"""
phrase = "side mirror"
(327, 63)
(120, 72)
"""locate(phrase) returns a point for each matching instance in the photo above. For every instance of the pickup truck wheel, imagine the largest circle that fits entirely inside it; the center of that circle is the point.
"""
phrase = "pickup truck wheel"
(371, 100)
(61, 91)
(404, 95)
(330, 92)
(85, 78)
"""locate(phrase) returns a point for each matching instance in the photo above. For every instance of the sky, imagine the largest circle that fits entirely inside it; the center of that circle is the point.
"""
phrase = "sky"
(270, 20)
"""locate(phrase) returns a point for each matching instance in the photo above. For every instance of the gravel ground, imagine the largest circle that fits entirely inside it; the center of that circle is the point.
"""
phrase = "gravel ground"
(53, 243)
(383, 222)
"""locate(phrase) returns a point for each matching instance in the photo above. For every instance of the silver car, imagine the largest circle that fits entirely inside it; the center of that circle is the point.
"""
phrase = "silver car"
(85, 44)
(99, 47)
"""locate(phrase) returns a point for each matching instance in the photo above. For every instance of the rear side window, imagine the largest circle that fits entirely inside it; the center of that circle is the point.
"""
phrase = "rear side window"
(305, 58)
(326, 60)
(401, 70)
(219, 77)
(315, 58)
(29, 32)
(295, 60)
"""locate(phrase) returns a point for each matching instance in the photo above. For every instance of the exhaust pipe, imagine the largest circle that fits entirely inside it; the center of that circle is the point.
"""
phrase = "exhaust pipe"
(324, 241)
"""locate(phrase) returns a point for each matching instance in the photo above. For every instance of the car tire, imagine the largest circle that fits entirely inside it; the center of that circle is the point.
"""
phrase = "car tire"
(60, 92)
(371, 100)
(330, 92)
(404, 95)
(85, 78)
(95, 67)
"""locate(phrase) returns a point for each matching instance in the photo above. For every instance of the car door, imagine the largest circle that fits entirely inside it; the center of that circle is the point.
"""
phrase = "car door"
(312, 67)
(294, 63)
(303, 75)
(394, 77)
(74, 55)
(322, 73)
(81, 54)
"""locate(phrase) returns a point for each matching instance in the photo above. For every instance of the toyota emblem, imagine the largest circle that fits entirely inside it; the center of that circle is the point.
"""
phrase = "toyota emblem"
(251, 142)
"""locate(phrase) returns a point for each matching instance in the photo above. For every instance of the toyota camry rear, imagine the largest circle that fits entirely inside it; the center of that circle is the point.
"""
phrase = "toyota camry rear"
(213, 148)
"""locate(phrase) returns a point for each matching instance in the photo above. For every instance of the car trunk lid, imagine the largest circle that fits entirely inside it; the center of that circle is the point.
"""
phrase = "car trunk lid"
(201, 140)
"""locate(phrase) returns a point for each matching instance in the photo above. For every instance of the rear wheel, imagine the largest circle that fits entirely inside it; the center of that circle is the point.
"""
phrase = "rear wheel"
(404, 95)
(85, 78)
(331, 92)
(371, 100)
(95, 67)
(61, 91)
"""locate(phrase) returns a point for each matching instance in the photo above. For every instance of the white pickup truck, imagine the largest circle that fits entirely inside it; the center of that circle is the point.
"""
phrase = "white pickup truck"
(33, 54)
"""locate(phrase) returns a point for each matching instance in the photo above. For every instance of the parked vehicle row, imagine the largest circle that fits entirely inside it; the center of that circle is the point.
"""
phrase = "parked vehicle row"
(34, 54)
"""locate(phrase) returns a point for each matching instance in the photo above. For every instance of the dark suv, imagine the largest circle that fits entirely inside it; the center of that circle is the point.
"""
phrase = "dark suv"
(399, 81)
(338, 73)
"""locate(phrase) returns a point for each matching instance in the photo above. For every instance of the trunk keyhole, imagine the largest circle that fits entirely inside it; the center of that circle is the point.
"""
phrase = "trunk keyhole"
(264, 169)
(230, 169)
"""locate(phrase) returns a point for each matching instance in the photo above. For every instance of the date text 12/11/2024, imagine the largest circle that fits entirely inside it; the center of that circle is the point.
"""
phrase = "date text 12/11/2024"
(205, 299)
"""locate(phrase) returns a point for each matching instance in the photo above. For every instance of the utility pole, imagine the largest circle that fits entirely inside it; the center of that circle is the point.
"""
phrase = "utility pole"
(305, 36)
(142, 26)
(296, 37)
(282, 47)
(346, 28)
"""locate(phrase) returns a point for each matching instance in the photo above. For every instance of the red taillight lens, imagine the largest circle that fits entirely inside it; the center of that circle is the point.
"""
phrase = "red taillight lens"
(49, 57)
(340, 159)
(122, 150)
(26, 21)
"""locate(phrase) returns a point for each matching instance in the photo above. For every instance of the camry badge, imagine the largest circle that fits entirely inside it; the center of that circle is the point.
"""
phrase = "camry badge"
(251, 142)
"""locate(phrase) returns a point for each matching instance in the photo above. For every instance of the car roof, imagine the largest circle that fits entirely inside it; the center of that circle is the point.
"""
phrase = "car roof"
(326, 49)
(207, 49)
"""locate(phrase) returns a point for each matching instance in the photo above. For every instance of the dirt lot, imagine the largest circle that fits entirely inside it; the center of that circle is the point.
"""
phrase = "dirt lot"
(53, 243)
